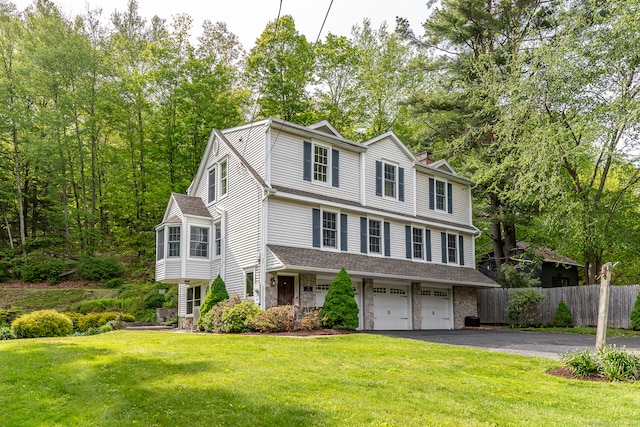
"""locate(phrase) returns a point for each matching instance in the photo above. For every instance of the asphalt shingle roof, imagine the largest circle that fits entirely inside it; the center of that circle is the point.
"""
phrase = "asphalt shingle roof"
(191, 205)
(318, 260)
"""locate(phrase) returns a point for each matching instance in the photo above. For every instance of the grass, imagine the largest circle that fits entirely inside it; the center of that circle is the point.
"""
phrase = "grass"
(585, 330)
(161, 378)
(28, 299)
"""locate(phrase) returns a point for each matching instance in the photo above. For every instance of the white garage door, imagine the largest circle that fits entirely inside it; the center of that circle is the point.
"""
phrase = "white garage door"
(390, 307)
(435, 308)
(321, 292)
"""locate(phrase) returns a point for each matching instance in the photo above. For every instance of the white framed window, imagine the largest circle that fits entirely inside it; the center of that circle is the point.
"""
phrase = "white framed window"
(249, 280)
(199, 242)
(390, 179)
(223, 177)
(441, 195)
(160, 244)
(452, 248)
(417, 243)
(173, 242)
(375, 236)
(194, 295)
(329, 229)
(218, 240)
(211, 197)
(321, 165)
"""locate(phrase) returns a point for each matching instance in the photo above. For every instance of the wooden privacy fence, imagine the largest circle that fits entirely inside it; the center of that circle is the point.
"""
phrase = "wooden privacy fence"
(581, 300)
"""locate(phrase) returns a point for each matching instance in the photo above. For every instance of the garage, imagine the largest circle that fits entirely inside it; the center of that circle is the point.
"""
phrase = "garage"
(436, 308)
(390, 307)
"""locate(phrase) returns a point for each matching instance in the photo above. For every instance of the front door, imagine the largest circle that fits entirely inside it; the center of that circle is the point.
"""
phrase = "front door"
(285, 290)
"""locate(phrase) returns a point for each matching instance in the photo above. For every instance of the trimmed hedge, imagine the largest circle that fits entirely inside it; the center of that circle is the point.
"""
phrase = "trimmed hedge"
(99, 269)
(44, 323)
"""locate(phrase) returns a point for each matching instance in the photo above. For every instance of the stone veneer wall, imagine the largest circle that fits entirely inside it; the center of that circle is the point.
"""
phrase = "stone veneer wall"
(416, 306)
(308, 296)
(367, 303)
(270, 292)
(465, 303)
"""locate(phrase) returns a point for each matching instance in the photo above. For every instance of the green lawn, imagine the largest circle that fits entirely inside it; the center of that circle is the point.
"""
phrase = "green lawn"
(129, 378)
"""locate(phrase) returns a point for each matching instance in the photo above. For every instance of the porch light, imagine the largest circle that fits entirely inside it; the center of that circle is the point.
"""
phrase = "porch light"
(273, 281)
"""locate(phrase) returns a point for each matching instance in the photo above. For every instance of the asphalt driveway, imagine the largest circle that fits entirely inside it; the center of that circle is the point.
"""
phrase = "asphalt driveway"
(544, 344)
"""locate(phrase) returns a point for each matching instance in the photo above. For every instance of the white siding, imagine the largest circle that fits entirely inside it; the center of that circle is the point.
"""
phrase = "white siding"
(387, 150)
(182, 300)
(290, 224)
(250, 142)
(172, 268)
(461, 209)
(287, 167)
(174, 210)
(160, 270)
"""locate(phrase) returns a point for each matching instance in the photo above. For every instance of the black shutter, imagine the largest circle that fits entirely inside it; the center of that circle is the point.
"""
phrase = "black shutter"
(432, 194)
(461, 249)
(427, 240)
(444, 247)
(307, 161)
(316, 228)
(364, 235)
(378, 178)
(449, 198)
(387, 239)
(401, 184)
(343, 233)
(407, 236)
(335, 168)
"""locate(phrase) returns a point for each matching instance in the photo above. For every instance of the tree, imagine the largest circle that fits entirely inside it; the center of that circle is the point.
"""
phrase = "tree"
(635, 315)
(340, 310)
(279, 68)
(217, 292)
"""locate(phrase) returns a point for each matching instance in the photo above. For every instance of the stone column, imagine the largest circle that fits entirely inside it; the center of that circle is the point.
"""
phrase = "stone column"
(465, 303)
(270, 292)
(367, 304)
(416, 306)
(307, 290)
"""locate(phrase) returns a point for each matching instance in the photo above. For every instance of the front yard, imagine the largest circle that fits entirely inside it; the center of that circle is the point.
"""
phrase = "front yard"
(166, 379)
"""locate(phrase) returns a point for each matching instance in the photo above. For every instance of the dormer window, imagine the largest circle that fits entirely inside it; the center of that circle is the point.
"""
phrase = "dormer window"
(390, 180)
(320, 163)
(440, 195)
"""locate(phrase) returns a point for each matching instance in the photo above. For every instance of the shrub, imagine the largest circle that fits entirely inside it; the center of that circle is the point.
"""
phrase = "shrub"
(75, 317)
(105, 328)
(582, 363)
(6, 333)
(95, 320)
(236, 319)
(114, 283)
(275, 319)
(99, 269)
(217, 293)
(8, 316)
(311, 321)
(40, 269)
(44, 323)
(618, 364)
(212, 320)
(126, 317)
(104, 304)
(523, 309)
(512, 277)
(563, 318)
(635, 315)
(340, 310)
(154, 300)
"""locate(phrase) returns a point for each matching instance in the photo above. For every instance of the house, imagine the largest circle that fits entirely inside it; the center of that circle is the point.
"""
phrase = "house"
(276, 209)
(553, 269)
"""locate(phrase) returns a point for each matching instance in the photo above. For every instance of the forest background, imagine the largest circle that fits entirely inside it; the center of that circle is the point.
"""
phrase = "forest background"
(536, 101)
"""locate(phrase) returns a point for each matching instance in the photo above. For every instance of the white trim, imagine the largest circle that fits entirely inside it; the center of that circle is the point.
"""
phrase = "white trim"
(445, 208)
(262, 283)
(224, 160)
(329, 181)
(415, 191)
(267, 156)
(337, 214)
(382, 236)
(364, 211)
(209, 246)
(363, 189)
(396, 181)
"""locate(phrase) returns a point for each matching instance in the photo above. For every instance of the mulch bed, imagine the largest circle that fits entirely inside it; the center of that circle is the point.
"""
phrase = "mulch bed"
(565, 372)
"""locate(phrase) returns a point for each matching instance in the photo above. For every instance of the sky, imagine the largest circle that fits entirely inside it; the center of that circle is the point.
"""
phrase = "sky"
(248, 18)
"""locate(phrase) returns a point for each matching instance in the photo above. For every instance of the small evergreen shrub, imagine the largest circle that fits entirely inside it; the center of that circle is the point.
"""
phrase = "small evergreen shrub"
(75, 317)
(217, 293)
(6, 333)
(39, 269)
(212, 319)
(311, 321)
(99, 269)
(105, 328)
(581, 363)
(8, 316)
(635, 315)
(617, 364)
(236, 319)
(127, 317)
(154, 300)
(44, 323)
(95, 320)
(340, 310)
(523, 309)
(275, 319)
(114, 283)
(563, 317)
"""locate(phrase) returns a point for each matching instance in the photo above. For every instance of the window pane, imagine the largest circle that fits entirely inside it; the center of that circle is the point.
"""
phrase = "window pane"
(417, 243)
(212, 185)
(329, 229)
(174, 241)
(440, 195)
(374, 236)
(451, 248)
(160, 245)
(223, 178)
(199, 242)
(218, 240)
(320, 163)
(389, 180)
(249, 284)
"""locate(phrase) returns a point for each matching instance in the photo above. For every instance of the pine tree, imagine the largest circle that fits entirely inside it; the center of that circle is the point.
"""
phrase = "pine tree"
(217, 292)
(635, 315)
(563, 318)
(340, 310)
